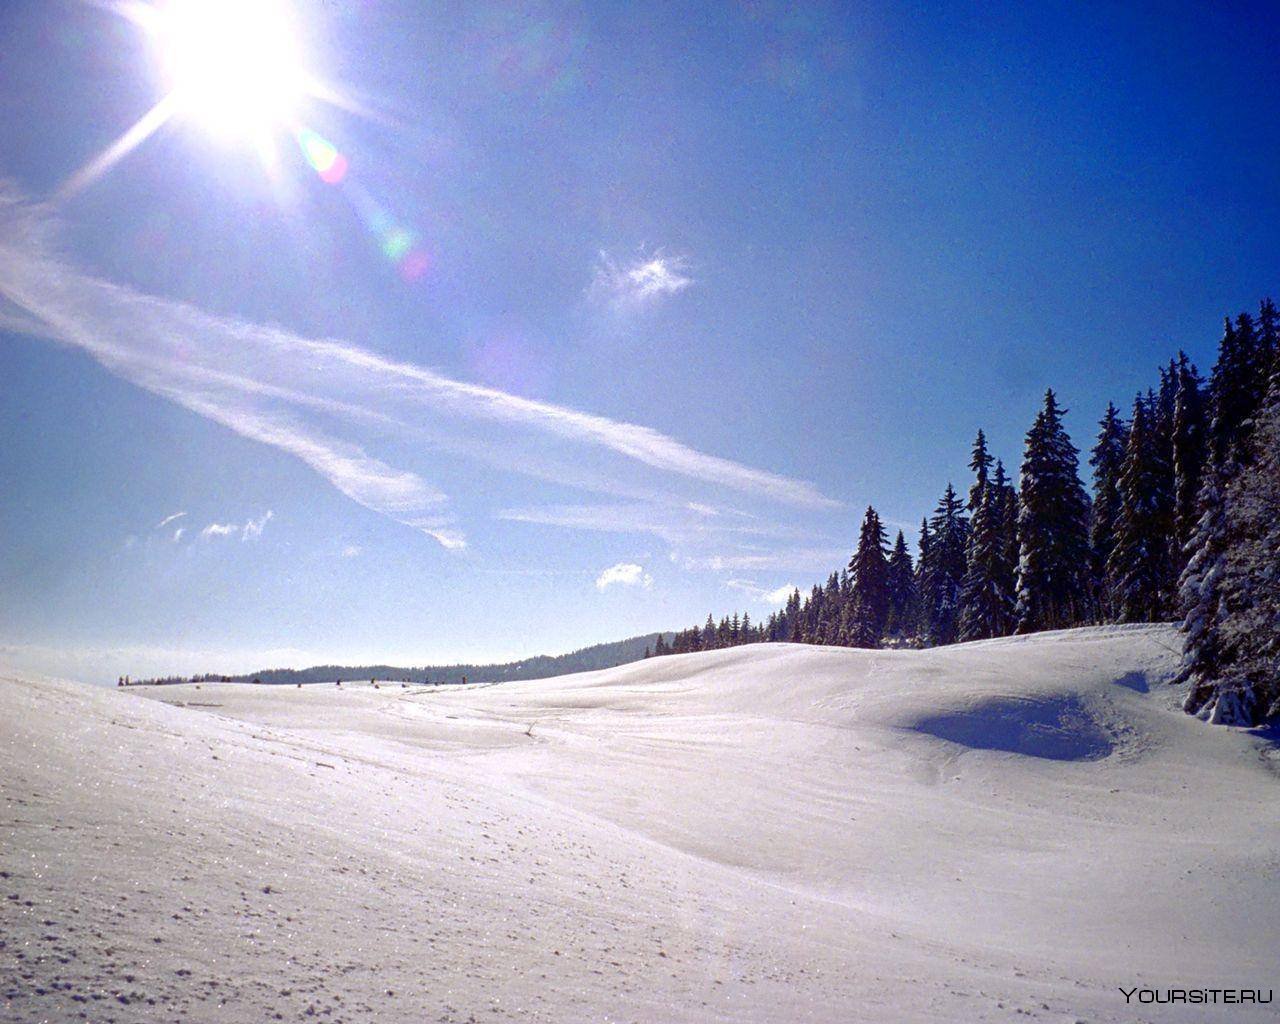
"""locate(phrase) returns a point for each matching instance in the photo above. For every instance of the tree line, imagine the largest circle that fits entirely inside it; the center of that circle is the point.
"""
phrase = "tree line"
(1182, 523)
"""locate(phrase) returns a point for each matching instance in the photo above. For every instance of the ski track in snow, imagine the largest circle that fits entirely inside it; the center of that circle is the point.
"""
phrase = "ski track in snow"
(1008, 830)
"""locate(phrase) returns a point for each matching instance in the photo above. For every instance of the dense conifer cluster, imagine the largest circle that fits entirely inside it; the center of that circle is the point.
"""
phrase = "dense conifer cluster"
(1183, 525)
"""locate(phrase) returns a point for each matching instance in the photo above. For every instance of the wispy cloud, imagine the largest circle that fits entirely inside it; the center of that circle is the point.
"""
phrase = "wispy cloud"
(774, 598)
(177, 534)
(639, 281)
(318, 399)
(727, 541)
(169, 519)
(352, 551)
(252, 530)
(775, 559)
(624, 574)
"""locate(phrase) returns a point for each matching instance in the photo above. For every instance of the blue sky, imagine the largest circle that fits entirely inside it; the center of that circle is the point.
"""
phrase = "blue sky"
(680, 293)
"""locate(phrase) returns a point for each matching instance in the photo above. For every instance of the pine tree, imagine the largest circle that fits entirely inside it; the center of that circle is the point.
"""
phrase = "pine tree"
(660, 646)
(924, 544)
(987, 598)
(1268, 335)
(1188, 455)
(1209, 649)
(904, 603)
(1053, 529)
(869, 571)
(830, 613)
(942, 569)
(1239, 681)
(1140, 571)
(980, 462)
(1012, 508)
(795, 626)
(1106, 458)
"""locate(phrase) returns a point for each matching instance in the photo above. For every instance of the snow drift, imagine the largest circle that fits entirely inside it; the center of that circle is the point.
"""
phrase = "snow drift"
(994, 831)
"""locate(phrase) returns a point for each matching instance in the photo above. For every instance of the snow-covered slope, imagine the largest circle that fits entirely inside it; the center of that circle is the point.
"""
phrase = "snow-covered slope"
(989, 832)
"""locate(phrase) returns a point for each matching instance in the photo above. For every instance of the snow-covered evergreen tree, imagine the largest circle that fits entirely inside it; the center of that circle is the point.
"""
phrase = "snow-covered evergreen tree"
(986, 599)
(1106, 458)
(1232, 405)
(942, 569)
(1189, 452)
(980, 462)
(1054, 571)
(904, 601)
(1140, 571)
(1229, 586)
(869, 571)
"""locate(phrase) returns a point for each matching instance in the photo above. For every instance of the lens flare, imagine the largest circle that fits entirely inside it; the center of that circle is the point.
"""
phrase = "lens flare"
(413, 260)
(323, 156)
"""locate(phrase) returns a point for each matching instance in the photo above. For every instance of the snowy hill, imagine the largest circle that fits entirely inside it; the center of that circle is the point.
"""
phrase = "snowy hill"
(1008, 830)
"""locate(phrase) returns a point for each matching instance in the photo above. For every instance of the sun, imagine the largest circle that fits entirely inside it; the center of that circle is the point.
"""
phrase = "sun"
(234, 66)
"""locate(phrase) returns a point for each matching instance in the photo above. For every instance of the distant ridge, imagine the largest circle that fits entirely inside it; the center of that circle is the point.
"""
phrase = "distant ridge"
(542, 666)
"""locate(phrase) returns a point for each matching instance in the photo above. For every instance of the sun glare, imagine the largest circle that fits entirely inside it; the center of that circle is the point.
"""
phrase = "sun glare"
(233, 65)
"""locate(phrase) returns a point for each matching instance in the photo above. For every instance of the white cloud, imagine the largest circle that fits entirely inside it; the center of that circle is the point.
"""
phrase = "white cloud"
(253, 528)
(781, 559)
(625, 574)
(640, 281)
(177, 534)
(352, 551)
(773, 598)
(169, 519)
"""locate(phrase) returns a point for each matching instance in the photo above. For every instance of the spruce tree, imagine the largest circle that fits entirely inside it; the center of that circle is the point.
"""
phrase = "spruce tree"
(1245, 688)
(1188, 454)
(1106, 458)
(904, 604)
(1140, 570)
(1053, 529)
(869, 571)
(1207, 646)
(1008, 497)
(980, 462)
(1012, 508)
(794, 619)
(831, 624)
(923, 545)
(942, 569)
(986, 599)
